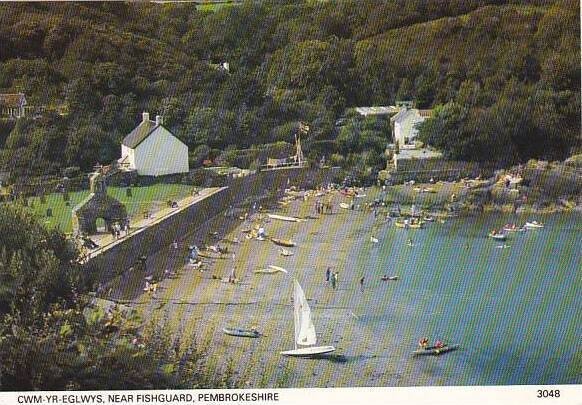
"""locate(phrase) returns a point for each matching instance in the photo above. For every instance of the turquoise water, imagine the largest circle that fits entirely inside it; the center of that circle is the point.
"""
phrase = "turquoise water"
(515, 311)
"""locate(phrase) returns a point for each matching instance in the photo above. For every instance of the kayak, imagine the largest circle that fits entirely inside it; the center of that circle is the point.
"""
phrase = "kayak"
(435, 351)
(283, 242)
(251, 333)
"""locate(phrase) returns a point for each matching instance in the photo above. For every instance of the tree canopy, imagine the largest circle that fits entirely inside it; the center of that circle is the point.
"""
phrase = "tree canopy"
(99, 66)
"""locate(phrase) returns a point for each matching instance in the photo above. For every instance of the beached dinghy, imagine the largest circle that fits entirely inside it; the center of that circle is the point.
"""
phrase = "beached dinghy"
(435, 351)
(284, 218)
(271, 270)
(304, 329)
(283, 242)
(251, 333)
(345, 206)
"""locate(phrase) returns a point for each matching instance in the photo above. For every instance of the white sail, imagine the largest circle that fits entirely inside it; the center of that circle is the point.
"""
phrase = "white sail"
(304, 328)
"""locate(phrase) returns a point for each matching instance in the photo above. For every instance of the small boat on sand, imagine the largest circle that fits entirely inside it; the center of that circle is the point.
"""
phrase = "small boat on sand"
(250, 333)
(271, 270)
(428, 218)
(304, 329)
(284, 218)
(533, 225)
(345, 206)
(435, 351)
(283, 242)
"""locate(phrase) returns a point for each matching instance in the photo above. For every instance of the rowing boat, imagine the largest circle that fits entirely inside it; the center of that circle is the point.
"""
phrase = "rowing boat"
(285, 252)
(435, 351)
(498, 236)
(251, 333)
(389, 278)
(283, 242)
(534, 225)
(344, 206)
(284, 218)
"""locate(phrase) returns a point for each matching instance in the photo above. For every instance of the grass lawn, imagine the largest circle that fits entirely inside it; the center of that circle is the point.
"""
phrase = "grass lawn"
(148, 198)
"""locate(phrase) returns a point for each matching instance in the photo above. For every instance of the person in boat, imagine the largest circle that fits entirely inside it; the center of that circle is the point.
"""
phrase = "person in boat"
(439, 344)
(423, 342)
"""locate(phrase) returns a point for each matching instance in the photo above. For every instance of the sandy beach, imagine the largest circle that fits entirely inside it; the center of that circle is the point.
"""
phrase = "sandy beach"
(371, 329)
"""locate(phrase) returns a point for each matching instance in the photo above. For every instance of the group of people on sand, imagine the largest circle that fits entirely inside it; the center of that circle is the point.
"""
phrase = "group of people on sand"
(117, 227)
(331, 277)
(323, 207)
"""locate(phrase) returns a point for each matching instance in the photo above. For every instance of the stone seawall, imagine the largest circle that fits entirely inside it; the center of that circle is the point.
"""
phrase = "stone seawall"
(241, 191)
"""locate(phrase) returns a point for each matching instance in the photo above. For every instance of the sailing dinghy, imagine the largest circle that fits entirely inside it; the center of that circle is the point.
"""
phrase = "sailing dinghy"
(304, 328)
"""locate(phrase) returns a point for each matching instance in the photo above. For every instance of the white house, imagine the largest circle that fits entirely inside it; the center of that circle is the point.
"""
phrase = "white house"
(404, 125)
(152, 150)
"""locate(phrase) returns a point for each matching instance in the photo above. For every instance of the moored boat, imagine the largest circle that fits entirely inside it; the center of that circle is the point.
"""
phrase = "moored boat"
(497, 236)
(512, 228)
(534, 225)
(415, 225)
(435, 351)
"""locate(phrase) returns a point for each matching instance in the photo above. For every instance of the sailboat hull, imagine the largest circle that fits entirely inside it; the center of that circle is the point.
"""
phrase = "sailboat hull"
(309, 351)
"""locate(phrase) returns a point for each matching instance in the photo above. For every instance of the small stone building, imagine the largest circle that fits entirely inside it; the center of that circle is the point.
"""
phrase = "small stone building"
(97, 205)
(12, 106)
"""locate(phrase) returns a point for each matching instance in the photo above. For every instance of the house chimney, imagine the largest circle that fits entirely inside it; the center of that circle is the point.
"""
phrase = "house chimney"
(145, 116)
(159, 120)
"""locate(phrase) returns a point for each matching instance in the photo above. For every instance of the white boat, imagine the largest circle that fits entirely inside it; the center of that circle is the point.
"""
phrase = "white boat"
(304, 329)
(277, 268)
(534, 225)
(345, 206)
(284, 218)
(373, 240)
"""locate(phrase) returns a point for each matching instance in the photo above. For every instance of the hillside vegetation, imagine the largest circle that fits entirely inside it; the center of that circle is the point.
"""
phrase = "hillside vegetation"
(504, 76)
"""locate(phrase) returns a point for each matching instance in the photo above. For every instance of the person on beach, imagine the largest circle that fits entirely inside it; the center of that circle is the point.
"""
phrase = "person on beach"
(327, 275)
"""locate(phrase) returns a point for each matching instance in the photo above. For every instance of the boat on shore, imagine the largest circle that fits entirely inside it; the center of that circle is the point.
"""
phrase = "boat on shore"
(533, 225)
(284, 218)
(283, 242)
(345, 206)
(435, 351)
(238, 332)
(304, 329)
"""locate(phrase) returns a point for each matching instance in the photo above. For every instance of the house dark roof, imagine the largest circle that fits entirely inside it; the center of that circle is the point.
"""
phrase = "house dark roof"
(141, 132)
(12, 100)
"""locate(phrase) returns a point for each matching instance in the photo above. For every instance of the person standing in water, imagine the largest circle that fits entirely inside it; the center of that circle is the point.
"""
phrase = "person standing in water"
(362, 283)
(333, 280)
(327, 275)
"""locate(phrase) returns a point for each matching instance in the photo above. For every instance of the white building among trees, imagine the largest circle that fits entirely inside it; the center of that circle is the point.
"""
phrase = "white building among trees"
(404, 125)
(152, 150)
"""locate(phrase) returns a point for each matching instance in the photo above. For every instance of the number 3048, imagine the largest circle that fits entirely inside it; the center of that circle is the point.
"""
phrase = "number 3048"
(548, 393)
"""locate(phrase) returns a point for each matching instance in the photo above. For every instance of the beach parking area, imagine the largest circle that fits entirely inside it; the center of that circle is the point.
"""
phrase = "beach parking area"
(454, 284)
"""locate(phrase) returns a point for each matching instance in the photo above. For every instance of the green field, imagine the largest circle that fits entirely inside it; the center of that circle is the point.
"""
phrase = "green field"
(143, 198)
